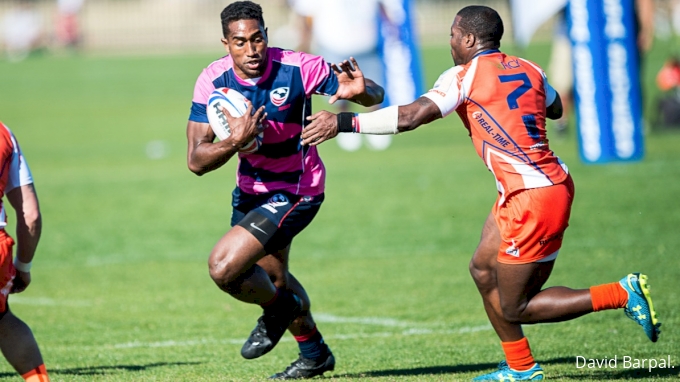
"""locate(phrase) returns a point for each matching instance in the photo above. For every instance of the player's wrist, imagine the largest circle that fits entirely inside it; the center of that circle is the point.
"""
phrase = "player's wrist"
(347, 123)
(21, 266)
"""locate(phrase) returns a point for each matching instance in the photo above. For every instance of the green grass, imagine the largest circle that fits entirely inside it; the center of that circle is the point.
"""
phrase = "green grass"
(121, 290)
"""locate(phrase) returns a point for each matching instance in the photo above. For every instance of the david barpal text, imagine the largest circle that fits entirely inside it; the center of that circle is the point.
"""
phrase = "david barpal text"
(624, 362)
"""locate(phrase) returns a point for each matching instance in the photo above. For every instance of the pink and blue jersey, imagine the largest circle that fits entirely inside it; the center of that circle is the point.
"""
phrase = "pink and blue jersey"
(285, 89)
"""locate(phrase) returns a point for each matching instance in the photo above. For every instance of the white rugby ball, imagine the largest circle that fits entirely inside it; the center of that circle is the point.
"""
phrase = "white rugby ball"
(235, 103)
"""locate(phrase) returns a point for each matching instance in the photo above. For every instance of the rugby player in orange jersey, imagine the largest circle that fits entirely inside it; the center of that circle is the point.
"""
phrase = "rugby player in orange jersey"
(16, 182)
(503, 101)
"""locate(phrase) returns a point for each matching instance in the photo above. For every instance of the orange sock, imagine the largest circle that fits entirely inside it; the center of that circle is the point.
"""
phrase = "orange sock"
(608, 296)
(39, 374)
(518, 354)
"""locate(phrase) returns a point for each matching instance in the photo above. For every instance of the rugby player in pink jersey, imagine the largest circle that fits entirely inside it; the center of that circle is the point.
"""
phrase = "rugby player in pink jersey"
(279, 188)
(16, 182)
(503, 102)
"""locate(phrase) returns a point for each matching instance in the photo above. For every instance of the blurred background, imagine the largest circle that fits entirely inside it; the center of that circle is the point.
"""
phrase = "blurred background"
(155, 26)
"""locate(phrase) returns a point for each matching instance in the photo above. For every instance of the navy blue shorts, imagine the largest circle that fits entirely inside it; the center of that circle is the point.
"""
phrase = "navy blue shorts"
(274, 218)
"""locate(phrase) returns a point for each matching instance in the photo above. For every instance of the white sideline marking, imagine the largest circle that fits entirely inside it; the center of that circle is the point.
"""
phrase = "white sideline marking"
(45, 301)
(380, 321)
(239, 341)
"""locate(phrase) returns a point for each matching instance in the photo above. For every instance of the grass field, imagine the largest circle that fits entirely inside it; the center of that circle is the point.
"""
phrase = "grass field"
(121, 290)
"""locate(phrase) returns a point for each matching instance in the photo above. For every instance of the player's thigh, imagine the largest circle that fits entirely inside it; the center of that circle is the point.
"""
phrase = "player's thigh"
(486, 252)
(274, 219)
(234, 253)
(532, 223)
(518, 283)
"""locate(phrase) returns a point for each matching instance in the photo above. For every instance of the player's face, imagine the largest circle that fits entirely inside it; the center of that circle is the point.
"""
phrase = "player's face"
(457, 42)
(247, 45)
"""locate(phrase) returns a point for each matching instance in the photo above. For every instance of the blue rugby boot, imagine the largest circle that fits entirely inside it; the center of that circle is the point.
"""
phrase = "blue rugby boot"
(506, 374)
(639, 307)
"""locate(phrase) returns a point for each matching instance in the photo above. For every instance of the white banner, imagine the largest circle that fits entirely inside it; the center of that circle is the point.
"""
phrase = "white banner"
(529, 15)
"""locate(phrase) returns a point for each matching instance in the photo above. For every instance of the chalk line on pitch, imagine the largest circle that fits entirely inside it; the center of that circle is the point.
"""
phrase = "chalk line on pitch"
(405, 329)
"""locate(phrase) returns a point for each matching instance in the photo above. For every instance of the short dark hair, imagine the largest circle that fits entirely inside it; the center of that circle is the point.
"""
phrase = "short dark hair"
(240, 10)
(483, 22)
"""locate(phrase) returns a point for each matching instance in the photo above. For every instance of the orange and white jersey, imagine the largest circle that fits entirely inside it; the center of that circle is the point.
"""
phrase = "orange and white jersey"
(14, 171)
(502, 101)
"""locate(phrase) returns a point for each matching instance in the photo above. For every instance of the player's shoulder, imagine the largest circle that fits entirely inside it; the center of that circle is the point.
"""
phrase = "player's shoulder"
(217, 67)
(454, 72)
(5, 130)
(6, 137)
(293, 57)
(530, 63)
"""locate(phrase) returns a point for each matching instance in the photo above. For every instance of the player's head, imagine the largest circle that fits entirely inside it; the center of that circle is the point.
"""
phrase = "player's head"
(245, 37)
(475, 28)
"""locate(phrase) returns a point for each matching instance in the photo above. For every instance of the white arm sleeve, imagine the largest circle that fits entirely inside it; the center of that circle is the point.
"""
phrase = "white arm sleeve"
(448, 92)
(19, 172)
(379, 122)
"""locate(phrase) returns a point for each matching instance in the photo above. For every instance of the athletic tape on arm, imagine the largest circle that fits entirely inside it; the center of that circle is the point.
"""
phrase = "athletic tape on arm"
(380, 122)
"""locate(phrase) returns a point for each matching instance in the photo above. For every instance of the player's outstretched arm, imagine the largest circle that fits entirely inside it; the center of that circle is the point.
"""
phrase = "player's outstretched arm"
(204, 155)
(24, 200)
(390, 120)
(353, 86)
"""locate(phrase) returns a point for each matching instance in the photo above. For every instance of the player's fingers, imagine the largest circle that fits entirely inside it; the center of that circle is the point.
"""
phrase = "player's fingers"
(347, 68)
(260, 120)
(333, 99)
(355, 63)
(310, 139)
(336, 69)
(313, 117)
(257, 114)
(349, 63)
(249, 108)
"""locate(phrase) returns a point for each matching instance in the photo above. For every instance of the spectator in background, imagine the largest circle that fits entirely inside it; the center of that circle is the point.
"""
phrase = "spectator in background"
(22, 27)
(67, 25)
(668, 81)
(560, 66)
(343, 28)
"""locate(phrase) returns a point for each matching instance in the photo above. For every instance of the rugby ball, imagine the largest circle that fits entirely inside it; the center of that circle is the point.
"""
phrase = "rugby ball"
(235, 103)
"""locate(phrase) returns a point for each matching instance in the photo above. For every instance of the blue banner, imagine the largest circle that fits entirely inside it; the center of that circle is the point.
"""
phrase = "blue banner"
(400, 55)
(607, 94)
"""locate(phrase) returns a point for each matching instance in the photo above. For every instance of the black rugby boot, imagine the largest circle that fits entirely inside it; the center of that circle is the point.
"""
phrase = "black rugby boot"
(304, 368)
(271, 326)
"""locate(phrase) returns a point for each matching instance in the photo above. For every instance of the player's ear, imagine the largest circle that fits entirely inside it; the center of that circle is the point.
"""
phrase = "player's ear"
(469, 40)
(225, 43)
(266, 35)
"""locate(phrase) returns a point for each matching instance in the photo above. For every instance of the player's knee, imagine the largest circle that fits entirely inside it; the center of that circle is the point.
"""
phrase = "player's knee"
(222, 271)
(483, 277)
(306, 303)
(513, 313)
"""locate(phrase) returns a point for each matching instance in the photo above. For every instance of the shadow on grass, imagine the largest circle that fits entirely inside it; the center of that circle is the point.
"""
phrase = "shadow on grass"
(102, 370)
(434, 370)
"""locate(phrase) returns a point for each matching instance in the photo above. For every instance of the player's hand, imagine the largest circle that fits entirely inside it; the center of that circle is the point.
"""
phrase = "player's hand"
(350, 79)
(21, 281)
(245, 128)
(324, 126)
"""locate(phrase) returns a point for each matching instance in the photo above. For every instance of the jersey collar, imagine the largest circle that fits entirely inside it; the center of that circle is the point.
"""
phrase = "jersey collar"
(485, 52)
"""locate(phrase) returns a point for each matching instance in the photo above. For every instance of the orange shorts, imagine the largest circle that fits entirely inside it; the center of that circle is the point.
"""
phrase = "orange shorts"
(532, 223)
(7, 271)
